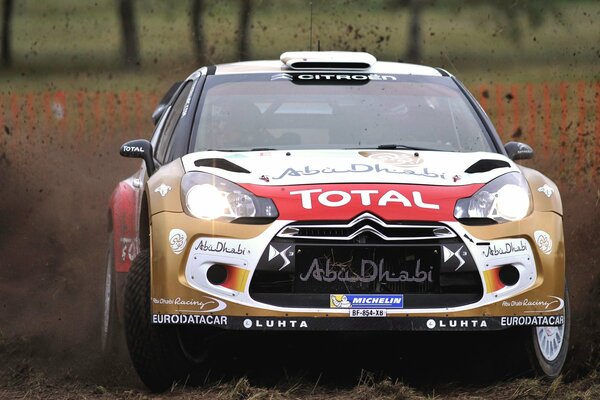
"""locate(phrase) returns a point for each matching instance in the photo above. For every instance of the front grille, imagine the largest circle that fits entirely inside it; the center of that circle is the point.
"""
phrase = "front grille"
(427, 263)
(366, 223)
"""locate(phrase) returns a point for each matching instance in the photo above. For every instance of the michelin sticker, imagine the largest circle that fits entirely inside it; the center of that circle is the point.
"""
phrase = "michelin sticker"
(366, 301)
(542, 239)
(177, 240)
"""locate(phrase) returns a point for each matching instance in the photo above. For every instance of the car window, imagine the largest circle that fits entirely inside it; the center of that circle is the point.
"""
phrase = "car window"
(253, 111)
(171, 123)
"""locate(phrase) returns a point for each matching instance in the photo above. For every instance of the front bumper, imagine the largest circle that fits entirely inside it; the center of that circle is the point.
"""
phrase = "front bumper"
(187, 289)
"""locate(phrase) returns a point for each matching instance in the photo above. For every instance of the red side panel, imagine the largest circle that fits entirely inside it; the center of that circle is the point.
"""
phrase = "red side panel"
(123, 206)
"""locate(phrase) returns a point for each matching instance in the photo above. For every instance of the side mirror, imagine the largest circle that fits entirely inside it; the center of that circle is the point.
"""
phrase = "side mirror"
(518, 151)
(140, 148)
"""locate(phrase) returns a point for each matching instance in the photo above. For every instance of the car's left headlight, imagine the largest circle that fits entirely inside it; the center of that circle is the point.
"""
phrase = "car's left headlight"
(506, 198)
(210, 197)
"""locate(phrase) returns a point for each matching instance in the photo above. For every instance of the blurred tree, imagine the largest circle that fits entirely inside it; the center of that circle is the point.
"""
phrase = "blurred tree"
(197, 36)
(244, 30)
(130, 46)
(6, 32)
(506, 13)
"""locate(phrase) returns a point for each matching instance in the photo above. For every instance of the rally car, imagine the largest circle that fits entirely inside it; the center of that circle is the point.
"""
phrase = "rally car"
(329, 191)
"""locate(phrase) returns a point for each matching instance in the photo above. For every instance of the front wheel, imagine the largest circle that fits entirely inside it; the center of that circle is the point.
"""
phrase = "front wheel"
(155, 350)
(548, 345)
(110, 329)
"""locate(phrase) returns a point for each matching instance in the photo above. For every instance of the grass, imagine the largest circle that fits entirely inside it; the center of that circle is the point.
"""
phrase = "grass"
(73, 44)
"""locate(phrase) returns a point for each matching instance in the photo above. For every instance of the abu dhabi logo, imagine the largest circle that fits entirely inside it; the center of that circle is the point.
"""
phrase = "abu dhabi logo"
(284, 76)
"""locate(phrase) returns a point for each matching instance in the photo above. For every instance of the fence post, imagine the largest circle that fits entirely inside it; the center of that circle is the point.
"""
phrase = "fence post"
(500, 112)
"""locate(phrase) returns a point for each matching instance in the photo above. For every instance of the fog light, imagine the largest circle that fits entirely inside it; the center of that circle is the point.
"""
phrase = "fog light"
(509, 275)
(216, 274)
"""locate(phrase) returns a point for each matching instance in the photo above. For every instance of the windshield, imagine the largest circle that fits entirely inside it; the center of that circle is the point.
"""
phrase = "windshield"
(305, 111)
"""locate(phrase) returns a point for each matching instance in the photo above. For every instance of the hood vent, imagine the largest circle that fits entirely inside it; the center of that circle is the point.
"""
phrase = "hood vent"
(220, 163)
(486, 165)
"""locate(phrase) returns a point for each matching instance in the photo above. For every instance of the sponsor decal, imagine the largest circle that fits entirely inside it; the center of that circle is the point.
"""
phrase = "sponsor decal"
(130, 247)
(358, 168)
(540, 320)
(547, 190)
(370, 271)
(211, 305)
(339, 198)
(366, 301)
(137, 149)
(163, 189)
(274, 323)
(344, 77)
(395, 159)
(458, 323)
(220, 320)
(448, 254)
(221, 246)
(542, 239)
(177, 240)
(273, 252)
(508, 248)
(554, 304)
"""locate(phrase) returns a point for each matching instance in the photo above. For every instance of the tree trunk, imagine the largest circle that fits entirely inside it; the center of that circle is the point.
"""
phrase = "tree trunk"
(6, 32)
(244, 31)
(130, 47)
(197, 37)
(415, 52)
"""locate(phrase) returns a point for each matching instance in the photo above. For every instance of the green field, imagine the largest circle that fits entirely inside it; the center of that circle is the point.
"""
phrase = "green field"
(70, 44)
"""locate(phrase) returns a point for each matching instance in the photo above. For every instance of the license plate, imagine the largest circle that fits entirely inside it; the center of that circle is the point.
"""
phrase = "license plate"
(368, 312)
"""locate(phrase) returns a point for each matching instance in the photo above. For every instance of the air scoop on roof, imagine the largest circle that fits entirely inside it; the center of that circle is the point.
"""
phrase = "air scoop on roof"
(220, 163)
(327, 60)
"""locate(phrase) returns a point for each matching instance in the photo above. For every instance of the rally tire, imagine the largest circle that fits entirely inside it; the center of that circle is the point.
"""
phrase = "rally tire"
(110, 329)
(546, 363)
(154, 349)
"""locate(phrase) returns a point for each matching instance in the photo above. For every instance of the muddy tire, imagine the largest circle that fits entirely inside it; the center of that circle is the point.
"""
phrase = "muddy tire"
(110, 330)
(547, 346)
(154, 349)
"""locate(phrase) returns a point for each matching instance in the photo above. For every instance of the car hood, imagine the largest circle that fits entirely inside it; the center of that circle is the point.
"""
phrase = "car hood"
(302, 167)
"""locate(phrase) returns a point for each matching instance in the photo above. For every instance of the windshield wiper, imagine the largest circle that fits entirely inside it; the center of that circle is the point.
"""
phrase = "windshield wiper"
(402, 147)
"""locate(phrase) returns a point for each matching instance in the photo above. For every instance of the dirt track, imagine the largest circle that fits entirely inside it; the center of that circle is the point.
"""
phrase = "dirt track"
(52, 246)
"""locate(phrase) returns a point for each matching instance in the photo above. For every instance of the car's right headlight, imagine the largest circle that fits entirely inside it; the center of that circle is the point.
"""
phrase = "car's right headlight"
(210, 197)
(506, 198)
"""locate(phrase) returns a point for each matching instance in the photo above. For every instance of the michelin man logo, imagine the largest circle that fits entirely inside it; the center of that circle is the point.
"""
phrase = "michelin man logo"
(339, 301)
